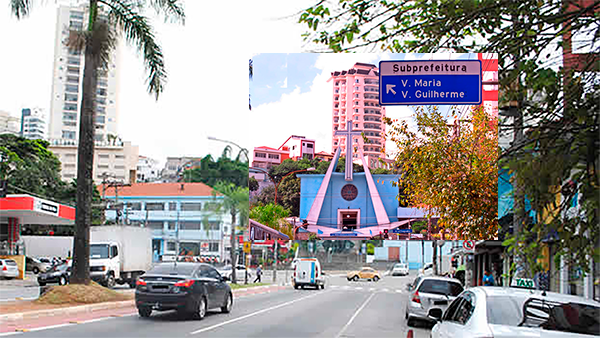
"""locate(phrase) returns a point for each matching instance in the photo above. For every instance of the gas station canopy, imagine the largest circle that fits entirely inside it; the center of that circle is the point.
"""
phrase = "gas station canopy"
(34, 210)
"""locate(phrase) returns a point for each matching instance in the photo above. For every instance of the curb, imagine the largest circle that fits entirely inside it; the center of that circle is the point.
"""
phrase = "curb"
(65, 310)
(94, 307)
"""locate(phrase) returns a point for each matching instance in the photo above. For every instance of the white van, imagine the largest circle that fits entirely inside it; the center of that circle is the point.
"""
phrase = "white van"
(308, 273)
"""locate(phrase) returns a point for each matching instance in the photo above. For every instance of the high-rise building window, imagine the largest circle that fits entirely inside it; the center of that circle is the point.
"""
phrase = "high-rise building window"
(69, 135)
(72, 88)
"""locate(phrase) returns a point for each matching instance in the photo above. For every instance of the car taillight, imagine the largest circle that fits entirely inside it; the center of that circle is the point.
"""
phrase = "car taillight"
(140, 282)
(186, 283)
(416, 298)
(4, 268)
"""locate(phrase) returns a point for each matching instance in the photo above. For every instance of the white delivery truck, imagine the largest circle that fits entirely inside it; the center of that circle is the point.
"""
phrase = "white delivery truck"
(119, 254)
(308, 273)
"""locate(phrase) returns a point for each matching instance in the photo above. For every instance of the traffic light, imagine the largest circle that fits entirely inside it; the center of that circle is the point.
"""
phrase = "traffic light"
(386, 234)
(454, 262)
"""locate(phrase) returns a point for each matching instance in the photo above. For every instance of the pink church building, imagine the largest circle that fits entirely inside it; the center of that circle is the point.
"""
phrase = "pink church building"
(356, 99)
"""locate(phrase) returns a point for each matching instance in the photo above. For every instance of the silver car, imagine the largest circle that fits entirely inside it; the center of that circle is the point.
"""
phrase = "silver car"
(36, 266)
(8, 269)
(492, 311)
(428, 292)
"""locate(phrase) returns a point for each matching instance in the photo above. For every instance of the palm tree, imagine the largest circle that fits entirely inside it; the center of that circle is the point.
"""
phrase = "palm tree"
(97, 42)
(237, 201)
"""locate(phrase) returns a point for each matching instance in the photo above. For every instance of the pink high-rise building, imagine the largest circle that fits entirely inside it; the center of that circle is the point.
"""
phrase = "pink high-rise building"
(356, 99)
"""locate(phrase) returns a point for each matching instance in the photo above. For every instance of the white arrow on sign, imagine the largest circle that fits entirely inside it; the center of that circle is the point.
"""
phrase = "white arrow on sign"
(390, 87)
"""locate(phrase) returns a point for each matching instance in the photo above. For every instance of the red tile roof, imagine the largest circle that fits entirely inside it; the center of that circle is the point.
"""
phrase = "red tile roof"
(161, 189)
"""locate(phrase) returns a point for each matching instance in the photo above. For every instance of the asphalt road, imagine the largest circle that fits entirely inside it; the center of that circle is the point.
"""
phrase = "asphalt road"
(343, 309)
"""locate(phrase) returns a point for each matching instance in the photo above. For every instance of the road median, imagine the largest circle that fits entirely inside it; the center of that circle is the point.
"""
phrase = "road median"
(24, 310)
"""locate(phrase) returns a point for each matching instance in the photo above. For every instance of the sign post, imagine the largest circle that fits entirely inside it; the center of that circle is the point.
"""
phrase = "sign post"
(433, 82)
(247, 247)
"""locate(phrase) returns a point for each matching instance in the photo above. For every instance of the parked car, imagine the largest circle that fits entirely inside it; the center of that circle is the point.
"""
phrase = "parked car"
(36, 266)
(240, 271)
(60, 274)
(8, 269)
(491, 311)
(429, 292)
(308, 272)
(400, 269)
(364, 273)
(189, 288)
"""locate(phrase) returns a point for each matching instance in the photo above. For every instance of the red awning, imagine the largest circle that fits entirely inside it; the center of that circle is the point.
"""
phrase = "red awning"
(34, 210)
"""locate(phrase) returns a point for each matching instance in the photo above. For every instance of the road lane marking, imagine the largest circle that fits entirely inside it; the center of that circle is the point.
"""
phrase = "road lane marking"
(399, 291)
(372, 289)
(50, 327)
(9, 333)
(255, 313)
(355, 314)
(385, 290)
(358, 288)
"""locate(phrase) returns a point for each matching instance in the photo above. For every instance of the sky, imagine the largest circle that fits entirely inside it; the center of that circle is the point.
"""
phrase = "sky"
(207, 63)
(291, 94)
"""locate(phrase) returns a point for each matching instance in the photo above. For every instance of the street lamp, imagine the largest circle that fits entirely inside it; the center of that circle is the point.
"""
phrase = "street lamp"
(244, 150)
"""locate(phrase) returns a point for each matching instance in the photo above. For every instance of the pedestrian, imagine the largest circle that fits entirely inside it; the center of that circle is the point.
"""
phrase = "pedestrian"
(488, 279)
(258, 273)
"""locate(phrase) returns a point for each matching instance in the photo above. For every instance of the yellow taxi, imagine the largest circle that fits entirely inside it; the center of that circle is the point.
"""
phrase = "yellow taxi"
(364, 273)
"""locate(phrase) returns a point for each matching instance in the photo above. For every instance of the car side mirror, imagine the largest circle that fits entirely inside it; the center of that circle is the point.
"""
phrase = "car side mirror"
(435, 314)
(322, 272)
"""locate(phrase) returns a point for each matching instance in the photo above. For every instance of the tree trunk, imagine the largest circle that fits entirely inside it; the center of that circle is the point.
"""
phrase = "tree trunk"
(85, 164)
(233, 252)
(434, 261)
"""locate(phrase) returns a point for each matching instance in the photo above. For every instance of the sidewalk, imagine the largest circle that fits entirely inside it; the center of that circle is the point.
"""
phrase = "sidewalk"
(27, 313)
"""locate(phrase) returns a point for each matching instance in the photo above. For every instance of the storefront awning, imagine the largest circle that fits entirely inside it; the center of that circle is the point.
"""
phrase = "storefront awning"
(34, 210)
(260, 232)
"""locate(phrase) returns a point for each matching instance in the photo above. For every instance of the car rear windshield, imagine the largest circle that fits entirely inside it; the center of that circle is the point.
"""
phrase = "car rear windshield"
(440, 287)
(555, 316)
(173, 269)
(10, 262)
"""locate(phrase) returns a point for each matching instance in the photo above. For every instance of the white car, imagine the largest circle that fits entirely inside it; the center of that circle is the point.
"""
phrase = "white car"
(8, 269)
(240, 272)
(427, 270)
(492, 311)
(308, 273)
(400, 269)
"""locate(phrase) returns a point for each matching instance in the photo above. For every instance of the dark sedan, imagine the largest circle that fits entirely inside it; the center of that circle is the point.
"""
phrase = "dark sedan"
(60, 274)
(189, 288)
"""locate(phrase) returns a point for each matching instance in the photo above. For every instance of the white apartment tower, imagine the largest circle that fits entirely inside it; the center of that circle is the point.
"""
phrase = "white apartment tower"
(356, 99)
(67, 81)
(33, 124)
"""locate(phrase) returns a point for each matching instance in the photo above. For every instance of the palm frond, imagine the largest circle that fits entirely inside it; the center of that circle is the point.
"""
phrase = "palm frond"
(20, 8)
(171, 8)
(138, 31)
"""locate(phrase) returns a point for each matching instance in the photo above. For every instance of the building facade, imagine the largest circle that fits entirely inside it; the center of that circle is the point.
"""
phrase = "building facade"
(299, 147)
(9, 124)
(33, 124)
(266, 157)
(356, 99)
(117, 159)
(174, 167)
(186, 218)
(147, 169)
(67, 80)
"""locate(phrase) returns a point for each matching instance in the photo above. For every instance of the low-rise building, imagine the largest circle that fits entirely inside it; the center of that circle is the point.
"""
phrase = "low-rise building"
(186, 218)
(147, 169)
(115, 159)
(9, 124)
(174, 167)
(266, 157)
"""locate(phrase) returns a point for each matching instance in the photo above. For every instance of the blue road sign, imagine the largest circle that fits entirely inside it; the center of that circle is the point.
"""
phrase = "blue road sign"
(401, 231)
(439, 82)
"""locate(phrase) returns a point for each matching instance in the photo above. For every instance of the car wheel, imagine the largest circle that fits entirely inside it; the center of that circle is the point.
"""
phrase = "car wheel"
(355, 278)
(144, 311)
(410, 322)
(375, 279)
(228, 304)
(62, 281)
(323, 287)
(405, 314)
(296, 286)
(201, 308)
(110, 281)
(36, 270)
(42, 283)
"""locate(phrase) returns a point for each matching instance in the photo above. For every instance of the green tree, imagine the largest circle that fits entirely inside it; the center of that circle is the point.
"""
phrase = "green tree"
(224, 169)
(252, 184)
(237, 203)
(97, 41)
(273, 216)
(554, 162)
